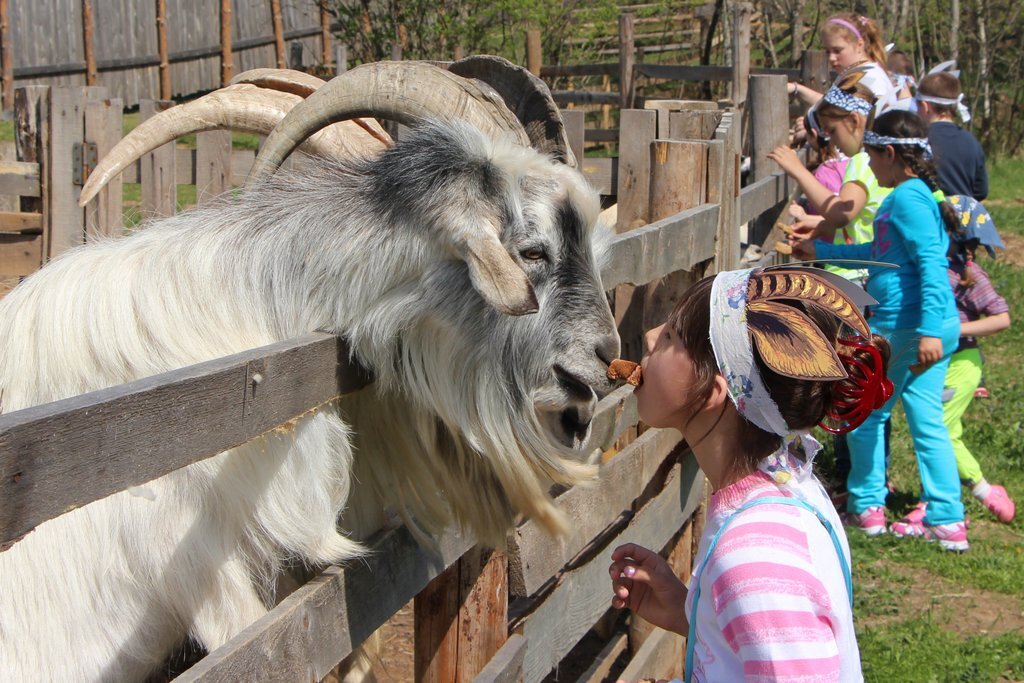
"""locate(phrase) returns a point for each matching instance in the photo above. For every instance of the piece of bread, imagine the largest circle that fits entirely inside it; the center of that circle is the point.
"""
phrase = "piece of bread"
(625, 370)
(783, 248)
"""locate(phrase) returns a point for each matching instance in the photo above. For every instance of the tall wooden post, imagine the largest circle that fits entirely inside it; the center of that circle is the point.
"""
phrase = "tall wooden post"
(6, 57)
(741, 52)
(769, 128)
(637, 130)
(461, 618)
(227, 67)
(161, 42)
(814, 71)
(627, 58)
(534, 52)
(90, 55)
(157, 171)
(325, 36)
(275, 16)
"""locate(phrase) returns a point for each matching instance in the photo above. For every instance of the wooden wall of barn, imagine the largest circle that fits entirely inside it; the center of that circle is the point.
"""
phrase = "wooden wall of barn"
(48, 45)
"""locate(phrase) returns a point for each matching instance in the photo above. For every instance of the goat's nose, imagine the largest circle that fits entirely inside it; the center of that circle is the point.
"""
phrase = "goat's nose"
(608, 348)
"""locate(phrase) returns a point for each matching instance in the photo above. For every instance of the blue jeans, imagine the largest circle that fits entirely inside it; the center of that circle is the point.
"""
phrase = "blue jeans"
(922, 402)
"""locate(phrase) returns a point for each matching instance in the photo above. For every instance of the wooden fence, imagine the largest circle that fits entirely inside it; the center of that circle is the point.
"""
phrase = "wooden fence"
(480, 615)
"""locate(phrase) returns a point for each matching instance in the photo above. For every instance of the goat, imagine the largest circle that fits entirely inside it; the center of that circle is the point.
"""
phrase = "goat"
(463, 268)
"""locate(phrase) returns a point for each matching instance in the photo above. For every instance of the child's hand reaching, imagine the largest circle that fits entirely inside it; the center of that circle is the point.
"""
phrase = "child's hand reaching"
(786, 157)
(643, 582)
(929, 351)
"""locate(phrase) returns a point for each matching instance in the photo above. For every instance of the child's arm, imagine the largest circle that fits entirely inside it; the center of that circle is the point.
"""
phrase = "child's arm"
(986, 326)
(911, 216)
(837, 210)
(644, 582)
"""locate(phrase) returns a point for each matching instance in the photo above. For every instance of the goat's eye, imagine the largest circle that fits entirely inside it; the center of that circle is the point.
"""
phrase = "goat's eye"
(533, 254)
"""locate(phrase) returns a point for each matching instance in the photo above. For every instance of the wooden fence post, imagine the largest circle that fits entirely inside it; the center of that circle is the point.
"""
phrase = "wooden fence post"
(325, 36)
(814, 71)
(275, 17)
(90, 54)
(724, 189)
(637, 130)
(769, 128)
(6, 57)
(461, 618)
(741, 52)
(213, 164)
(103, 126)
(574, 121)
(227, 67)
(534, 52)
(67, 220)
(161, 42)
(157, 171)
(627, 58)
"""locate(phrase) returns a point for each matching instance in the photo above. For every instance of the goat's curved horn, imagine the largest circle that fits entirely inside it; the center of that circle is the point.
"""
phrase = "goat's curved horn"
(527, 96)
(407, 92)
(242, 107)
(303, 84)
(286, 80)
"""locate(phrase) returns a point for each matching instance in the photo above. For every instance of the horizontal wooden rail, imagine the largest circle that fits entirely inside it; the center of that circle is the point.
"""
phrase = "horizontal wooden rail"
(19, 178)
(535, 557)
(320, 624)
(678, 242)
(58, 456)
(762, 195)
(507, 664)
(22, 222)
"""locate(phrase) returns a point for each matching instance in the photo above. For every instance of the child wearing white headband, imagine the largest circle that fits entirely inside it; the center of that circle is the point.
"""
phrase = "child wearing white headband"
(958, 155)
(746, 364)
(917, 314)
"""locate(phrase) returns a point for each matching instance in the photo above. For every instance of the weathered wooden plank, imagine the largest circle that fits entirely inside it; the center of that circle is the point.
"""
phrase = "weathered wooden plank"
(583, 595)
(20, 254)
(61, 455)
(574, 121)
(21, 221)
(32, 141)
(318, 625)
(655, 657)
(675, 243)
(507, 665)
(724, 183)
(535, 557)
(601, 173)
(762, 195)
(19, 178)
(103, 126)
(157, 174)
(601, 667)
(615, 413)
(67, 220)
(638, 128)
(563, 97)
(212, 164)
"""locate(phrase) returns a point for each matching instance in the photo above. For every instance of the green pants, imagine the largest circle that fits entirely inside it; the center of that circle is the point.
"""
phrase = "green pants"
(962, 378)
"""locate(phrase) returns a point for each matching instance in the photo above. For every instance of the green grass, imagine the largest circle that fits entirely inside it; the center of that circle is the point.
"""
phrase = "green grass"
(924, 614)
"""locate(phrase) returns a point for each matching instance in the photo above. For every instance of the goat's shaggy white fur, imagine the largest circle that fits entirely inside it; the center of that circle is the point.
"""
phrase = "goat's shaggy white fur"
(474, 414)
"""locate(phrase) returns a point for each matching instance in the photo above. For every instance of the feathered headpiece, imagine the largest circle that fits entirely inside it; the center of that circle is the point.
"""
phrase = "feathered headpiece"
(748, 309)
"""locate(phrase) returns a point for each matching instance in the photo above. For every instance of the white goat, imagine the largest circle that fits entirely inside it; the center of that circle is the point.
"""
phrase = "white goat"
(463, 270)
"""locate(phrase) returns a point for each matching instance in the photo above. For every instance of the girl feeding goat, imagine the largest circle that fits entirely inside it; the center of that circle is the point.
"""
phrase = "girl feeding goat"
(746, 364)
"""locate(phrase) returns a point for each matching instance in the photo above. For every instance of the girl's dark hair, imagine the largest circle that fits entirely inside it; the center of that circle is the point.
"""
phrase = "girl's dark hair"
(801, 402)
(904, 124)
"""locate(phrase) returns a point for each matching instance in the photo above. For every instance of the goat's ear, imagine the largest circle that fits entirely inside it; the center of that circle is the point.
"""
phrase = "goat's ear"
(498, 278)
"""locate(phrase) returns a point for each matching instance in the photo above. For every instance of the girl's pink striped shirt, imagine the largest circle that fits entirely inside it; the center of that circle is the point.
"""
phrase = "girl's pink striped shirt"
(773, 605)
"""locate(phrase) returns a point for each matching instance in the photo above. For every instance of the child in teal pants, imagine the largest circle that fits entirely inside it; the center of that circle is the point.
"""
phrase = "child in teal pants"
(917, 314)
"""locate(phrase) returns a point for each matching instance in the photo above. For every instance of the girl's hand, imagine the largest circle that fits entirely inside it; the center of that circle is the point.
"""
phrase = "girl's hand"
(797, 211)
(644, 582)
(802, 249)
(929, 351)
(786, 157)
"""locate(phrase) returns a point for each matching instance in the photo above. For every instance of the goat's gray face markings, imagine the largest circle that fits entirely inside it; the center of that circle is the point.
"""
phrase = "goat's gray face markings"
(552, 242)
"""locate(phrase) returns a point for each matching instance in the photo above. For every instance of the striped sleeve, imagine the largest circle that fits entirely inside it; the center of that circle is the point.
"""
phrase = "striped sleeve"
(774, 611)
